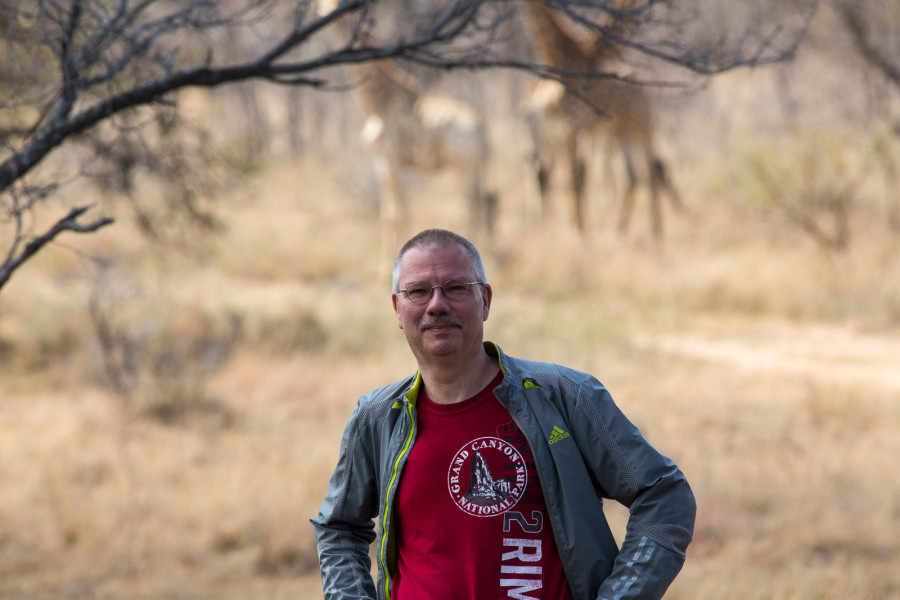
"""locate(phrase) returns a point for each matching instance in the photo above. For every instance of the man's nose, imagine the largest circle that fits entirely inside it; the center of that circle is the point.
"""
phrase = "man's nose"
(438, 301)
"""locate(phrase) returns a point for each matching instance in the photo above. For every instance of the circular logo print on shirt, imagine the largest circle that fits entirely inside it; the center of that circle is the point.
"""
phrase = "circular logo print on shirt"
(487, 477)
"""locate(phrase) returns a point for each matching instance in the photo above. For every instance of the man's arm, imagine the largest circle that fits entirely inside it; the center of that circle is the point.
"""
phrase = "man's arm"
(662, 506)
(345, 527)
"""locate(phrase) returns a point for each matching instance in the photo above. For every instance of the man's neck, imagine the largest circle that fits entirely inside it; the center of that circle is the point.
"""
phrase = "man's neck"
(451, 383)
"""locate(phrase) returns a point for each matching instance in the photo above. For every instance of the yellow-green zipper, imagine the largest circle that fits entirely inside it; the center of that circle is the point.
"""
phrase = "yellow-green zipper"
(411, 395)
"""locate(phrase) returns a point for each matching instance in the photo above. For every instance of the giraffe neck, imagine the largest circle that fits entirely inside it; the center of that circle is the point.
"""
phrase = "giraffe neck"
(384, 89)
(553, 47)
(560, 43)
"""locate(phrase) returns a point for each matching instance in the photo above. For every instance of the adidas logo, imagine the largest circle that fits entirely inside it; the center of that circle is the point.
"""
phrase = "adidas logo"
(557, 435)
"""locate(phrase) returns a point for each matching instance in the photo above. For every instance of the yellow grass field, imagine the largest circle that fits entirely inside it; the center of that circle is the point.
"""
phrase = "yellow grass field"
(765, 365)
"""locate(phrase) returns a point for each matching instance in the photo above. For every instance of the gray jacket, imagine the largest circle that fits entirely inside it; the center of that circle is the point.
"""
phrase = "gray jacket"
(604, 456)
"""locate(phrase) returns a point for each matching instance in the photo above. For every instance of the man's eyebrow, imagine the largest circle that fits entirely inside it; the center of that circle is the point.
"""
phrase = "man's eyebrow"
(428, 283)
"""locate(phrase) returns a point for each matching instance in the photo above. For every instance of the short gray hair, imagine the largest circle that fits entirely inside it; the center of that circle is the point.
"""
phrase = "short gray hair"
(439, 238)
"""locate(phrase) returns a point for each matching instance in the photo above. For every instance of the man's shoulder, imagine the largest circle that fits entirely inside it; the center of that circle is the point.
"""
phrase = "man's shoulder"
(547, 373)
(379, 401)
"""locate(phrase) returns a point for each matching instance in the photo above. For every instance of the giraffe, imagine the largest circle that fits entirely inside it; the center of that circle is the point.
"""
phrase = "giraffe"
(409, 127)
(564, 115)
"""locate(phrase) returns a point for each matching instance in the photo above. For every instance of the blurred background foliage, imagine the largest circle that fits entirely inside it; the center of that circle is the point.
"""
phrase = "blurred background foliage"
(173, 387)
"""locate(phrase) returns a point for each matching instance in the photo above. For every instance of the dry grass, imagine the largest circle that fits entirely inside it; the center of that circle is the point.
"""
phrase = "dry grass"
(763, 364)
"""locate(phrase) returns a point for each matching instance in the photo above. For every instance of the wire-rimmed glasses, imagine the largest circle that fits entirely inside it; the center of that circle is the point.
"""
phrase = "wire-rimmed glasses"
(454, 289)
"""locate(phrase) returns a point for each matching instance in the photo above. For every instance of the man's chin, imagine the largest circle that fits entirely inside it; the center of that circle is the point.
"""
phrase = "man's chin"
(442, 345)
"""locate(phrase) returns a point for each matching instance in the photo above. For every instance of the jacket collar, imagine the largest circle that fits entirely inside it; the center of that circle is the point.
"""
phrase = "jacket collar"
(493, 350)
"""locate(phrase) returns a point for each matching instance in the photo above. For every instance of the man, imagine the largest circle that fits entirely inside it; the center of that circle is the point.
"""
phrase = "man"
(489, 472)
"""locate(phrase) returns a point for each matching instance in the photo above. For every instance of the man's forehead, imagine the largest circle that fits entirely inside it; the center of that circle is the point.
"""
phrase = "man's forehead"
(434, 259)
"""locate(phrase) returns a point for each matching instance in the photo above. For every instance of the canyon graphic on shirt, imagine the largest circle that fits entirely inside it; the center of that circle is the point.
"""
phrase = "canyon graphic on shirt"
(481, 494)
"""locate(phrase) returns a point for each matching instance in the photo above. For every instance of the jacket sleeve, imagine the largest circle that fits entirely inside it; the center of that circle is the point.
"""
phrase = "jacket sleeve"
(345, 526)
(662, 507)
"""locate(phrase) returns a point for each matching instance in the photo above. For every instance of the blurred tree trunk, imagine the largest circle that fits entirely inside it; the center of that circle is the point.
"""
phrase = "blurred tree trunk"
(875, 28)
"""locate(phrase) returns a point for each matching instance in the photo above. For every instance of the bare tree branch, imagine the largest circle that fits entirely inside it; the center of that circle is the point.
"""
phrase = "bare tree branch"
(67, 223)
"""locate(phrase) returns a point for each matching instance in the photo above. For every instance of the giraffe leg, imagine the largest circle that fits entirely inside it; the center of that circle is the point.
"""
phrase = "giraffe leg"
(392, 209)
(491, 205)
(660, 175)
(577, 181)
(656, 218)
(543, 177)
(628, 196)
(483, 203)
(541, 161)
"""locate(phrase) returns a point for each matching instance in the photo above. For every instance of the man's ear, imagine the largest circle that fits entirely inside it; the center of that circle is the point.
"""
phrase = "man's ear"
(396, 302)
(486, 295)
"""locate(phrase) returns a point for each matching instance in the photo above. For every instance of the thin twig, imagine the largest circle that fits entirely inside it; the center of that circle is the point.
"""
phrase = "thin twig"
(67, 223)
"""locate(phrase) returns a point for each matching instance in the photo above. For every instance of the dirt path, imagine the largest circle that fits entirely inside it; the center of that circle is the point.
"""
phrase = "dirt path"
(827, 353)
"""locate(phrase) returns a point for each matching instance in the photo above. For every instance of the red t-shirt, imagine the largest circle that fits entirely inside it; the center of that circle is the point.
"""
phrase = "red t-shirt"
(470, 517)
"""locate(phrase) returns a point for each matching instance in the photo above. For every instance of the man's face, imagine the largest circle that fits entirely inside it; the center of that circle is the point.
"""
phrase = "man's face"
(441, 327)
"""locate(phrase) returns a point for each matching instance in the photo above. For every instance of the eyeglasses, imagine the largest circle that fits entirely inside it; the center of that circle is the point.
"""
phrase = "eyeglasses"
(455, 289)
